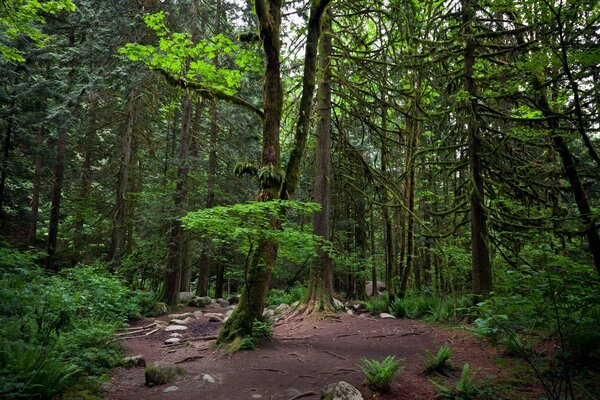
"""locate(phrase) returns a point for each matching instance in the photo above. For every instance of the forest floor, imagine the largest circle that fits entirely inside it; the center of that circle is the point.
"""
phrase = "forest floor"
(306, 354)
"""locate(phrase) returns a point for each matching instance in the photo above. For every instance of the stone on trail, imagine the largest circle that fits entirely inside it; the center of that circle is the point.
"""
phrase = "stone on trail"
(206, 378)
(182, 316)
(200, 301)
(185, 297)
(173, 328)
(269, 315)
(257, 396)
(340, 391)
(384, 315)
(134, 361)
(349, 312)
(171, 389)
(291, 392)
(198, 314)
(175, 334)
(159, 374)
(229, 312)
(173, 340)
(214, 317)
(178, 322)
(338, 304)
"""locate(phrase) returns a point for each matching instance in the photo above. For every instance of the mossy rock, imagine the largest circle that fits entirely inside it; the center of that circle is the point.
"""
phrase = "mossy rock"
(159, 374)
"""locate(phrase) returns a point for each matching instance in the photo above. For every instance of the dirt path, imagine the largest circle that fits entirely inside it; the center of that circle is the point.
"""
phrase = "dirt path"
(304, 356)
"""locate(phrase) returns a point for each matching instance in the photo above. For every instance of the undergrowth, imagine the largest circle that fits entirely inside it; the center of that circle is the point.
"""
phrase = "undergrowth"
(57, 331)
(381, 375)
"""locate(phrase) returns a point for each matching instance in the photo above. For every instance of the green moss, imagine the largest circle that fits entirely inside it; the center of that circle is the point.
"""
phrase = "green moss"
(159, 374)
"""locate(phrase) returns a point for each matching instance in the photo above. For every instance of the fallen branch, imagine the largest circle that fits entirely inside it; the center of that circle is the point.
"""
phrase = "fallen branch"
(270, 370)
(152, 332)
(333, 354)
(188, 359)
(304, 395)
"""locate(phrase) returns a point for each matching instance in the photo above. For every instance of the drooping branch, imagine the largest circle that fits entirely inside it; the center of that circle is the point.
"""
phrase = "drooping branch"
(210, 93)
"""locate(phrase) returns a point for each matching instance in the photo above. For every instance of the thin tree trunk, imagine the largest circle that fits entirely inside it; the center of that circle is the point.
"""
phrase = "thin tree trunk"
(118, 246)
(59, 174)
(480, 258)
(5, 158)
(37, 178)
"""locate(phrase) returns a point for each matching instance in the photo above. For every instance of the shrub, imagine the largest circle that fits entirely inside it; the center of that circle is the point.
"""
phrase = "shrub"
(439, 361)
(261, 329)
(380, 375)
(159, 374)
(278, 296)
(377, 305)
(397, 308)
(465, 388)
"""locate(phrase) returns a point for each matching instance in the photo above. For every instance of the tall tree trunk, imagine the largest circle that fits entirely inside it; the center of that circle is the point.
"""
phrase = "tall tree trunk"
(5, 158)
(254, 292)
(37, 180)
(205, 257)
(480, 257)
(118, 244)
(306, 99)
(176, 234)
(320, 285)
(360, 237)
(59, 174)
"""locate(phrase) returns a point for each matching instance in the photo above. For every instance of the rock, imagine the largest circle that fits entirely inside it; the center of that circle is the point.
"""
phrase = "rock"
(231, 308)
(160, 308)
(185, 297)
(234, 299)
(349, 312)
(182, 316)
(229, 312)
(282, 309)
(340, 391)
(269, 315)
(200, 301)
(256, 396)
(223, 303)
(206, 378)
(198, 314)
(291, 392)
(134, 361)
(295, 304)
(159, 374)
(173, 340)
(171, 389)
(173, 328)
(338, 304)
(161, 324)
(178, 322)
(384, 315)
(214, 317)
(380, 287)
(175, 334)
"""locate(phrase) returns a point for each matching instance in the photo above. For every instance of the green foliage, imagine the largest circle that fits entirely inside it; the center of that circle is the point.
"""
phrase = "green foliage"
(397, 308)
(465, 388)
(181, 58)
(439, 361)
(261, 329)
(24, 17)
(377, 305)
(278, 296)
(380, 375)
(55, 330)
(247, 343)
(246, 224)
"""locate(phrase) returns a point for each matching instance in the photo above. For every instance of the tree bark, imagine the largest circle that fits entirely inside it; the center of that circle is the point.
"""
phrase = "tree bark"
(118, 246)
(37, 180)
(320, 285)
(480, 257)
(254, 292)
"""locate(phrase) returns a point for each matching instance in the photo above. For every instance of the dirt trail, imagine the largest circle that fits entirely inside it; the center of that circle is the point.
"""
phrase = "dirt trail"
(304, 356)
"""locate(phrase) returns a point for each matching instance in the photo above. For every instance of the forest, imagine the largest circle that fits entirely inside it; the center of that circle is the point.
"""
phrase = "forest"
(417, 176)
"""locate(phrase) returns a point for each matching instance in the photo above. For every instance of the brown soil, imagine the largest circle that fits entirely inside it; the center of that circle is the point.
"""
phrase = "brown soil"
(305, 355)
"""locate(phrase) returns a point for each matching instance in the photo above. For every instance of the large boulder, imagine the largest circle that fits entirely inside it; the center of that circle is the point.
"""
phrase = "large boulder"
(282, 309)
(185, 297)
(134, 361)
(269, 315)
(214, 317)
(379, 288)
(233, 299)
(340, 391)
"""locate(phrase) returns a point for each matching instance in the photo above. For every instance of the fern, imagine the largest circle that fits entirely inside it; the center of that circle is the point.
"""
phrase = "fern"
(380, 375)
(438, 362)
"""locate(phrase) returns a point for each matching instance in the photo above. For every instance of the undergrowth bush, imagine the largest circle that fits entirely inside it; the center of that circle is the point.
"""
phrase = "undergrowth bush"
(57, 329)
(276, 297)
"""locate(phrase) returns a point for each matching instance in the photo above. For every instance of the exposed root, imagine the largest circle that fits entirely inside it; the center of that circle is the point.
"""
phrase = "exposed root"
(304, 395)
